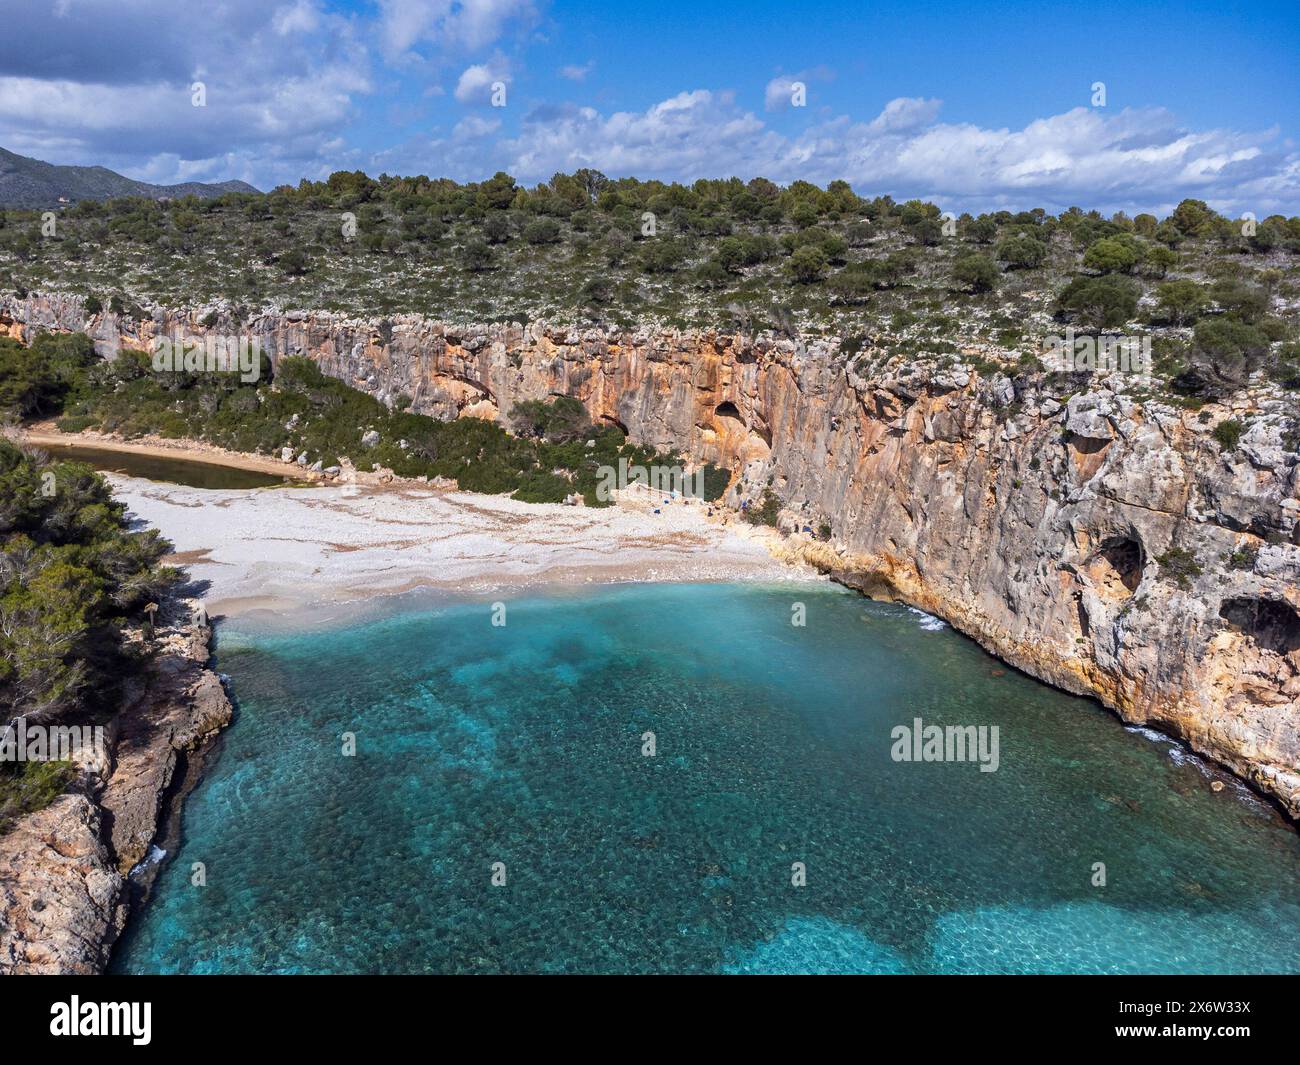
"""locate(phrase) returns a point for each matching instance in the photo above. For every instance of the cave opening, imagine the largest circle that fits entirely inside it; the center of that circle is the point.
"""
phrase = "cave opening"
(1124, 556)
(1273, 625)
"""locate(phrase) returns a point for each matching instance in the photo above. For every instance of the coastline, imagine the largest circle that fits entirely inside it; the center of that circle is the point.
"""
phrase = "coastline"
(317, 546)
(323, 549)
(71, 873)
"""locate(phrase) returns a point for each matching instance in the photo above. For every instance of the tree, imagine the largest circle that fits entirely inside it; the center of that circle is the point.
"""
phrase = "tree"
(542, 231)
(926, 231)
(1192, 218)
(1100, 302)
(1112, 255)
(977, 272)
(496, 228)
(1021, 252)
(661, 256)
(1159, 260)
(1181, 301)
(477, 257)
(806, 265)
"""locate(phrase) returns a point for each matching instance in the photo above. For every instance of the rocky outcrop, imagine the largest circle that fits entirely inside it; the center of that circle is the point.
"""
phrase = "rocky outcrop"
(1102, 541)
(66, 880)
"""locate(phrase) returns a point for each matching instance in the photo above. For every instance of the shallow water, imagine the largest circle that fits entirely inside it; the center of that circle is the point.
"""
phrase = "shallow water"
(170, 470)
(522, 744)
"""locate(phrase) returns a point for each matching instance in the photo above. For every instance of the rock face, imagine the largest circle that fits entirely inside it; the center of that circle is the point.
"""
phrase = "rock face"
(64, 887)
(1104, 544)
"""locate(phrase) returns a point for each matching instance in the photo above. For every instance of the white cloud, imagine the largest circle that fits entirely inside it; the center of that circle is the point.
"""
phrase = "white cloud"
(465, 24)
(473, 127)
(300, 17)
(577, 73)
(778, 94)
(1131, 160)
(906, 112)
(474, 86)
(280, 84)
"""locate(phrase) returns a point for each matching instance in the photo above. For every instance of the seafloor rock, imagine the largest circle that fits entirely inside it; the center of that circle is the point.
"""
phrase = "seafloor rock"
(1103, 543)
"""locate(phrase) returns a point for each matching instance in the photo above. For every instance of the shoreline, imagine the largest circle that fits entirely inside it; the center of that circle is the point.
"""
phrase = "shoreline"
(45, 435)
(324, 546)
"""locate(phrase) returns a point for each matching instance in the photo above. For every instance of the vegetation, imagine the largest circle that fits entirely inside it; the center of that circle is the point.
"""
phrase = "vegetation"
(722, 254)
(557, 452)
(73, 577)
(766, 512)
(1180, 566)
(1228, 433)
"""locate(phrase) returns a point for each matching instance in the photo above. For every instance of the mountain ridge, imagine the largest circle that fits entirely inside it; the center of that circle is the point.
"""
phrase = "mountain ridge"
(27, 184)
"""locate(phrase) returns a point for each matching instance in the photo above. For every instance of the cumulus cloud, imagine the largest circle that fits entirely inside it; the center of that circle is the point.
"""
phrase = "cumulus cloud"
(696, 132)
(577, 73)
(279, 83)
(474, 86)
(1132, 160)
(467, 24)
(473, 127)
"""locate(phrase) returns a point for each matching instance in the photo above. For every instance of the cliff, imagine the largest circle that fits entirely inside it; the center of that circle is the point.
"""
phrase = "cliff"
(66, 872)
(1091, 535)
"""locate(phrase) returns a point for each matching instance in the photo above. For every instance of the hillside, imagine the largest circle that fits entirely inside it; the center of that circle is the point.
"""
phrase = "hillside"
(1214, 298)
(30, 184)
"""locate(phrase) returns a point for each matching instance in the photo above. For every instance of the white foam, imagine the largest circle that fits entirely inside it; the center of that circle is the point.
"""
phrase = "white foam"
(156, 854)
(928, 622)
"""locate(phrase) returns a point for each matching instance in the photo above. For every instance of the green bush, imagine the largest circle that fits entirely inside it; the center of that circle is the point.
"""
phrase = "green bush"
(1180, 566)
(1228, 433)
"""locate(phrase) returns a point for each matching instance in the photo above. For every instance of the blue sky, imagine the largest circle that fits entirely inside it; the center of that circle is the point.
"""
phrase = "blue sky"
(976, 106)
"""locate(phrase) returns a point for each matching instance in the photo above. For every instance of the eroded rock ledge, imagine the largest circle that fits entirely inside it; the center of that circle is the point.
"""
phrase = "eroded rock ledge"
(1097, 539)
(64, 888)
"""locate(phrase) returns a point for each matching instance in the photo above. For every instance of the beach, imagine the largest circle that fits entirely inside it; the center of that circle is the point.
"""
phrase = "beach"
(291, 548)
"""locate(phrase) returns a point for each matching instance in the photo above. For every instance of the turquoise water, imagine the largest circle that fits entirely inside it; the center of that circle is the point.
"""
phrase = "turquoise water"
(522, 745)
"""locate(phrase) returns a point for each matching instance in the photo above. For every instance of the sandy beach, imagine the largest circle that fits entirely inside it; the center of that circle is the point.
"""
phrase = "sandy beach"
(290, 548)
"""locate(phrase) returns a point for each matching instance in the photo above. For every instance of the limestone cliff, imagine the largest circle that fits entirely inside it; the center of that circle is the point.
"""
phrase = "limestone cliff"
(1102, 541)
(66, 880)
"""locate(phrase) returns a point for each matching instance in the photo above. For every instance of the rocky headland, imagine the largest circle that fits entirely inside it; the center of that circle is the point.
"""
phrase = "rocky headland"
(71, 873)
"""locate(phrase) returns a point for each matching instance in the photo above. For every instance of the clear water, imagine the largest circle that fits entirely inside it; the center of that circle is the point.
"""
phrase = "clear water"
(522, 744)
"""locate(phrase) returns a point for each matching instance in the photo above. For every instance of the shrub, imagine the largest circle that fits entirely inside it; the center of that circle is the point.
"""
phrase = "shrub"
(1021, 252)
(1100, 302)
(1228, 433)
(1180, 566)
(977, 272)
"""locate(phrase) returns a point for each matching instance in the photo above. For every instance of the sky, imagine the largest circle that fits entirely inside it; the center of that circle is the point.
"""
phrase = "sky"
(975, 106)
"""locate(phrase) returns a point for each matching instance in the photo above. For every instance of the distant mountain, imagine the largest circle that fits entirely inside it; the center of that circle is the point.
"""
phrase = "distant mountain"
(30, 183)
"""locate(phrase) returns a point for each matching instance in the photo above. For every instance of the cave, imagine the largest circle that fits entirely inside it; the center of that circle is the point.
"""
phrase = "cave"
(1125, 558)
(1116, 568)
(727, 409)
(1273, 625)
(611, 420)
